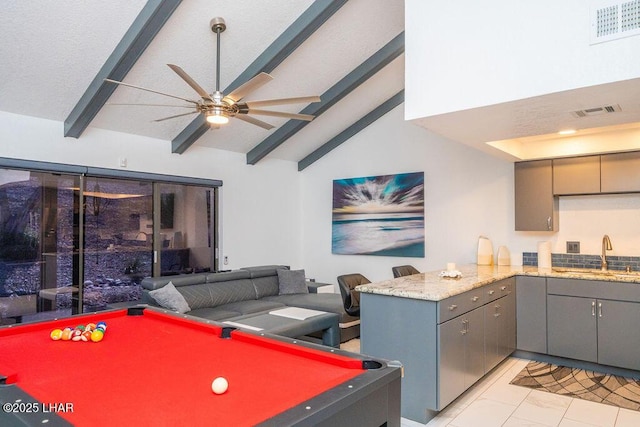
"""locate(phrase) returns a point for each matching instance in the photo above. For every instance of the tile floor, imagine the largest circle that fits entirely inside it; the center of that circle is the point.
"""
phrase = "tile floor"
(493, 402)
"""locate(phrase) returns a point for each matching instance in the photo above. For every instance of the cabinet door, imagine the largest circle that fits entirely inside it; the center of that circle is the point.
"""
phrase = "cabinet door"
(531, 314)
(474, 346)
(492, 314)
(535, 207)
(507, 341)
(576, 175)
(618, 334)
(572, 327)
(499, 331)
(451, 356)
(620, 172)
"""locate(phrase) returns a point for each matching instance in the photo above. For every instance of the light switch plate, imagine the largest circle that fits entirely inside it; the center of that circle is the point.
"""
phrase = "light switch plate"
(573, 247)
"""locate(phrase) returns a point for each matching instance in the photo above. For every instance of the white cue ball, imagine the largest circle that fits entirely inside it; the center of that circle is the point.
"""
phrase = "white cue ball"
(219, 385)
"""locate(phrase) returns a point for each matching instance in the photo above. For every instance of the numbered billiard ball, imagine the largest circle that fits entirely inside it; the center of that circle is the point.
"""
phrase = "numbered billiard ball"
(97, 335)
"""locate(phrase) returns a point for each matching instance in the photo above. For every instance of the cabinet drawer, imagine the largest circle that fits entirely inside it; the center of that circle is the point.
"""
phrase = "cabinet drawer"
(460, 304)
(621, 291)
(498, 289)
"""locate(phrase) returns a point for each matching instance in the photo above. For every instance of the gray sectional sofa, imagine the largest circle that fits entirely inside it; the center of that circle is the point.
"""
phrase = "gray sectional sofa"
(225, 295)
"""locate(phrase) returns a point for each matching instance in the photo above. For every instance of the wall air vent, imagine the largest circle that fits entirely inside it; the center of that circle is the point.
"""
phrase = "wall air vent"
(614, 19)
(596, 111)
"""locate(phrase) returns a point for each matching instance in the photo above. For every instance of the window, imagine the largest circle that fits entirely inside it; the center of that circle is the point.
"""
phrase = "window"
(72, 242)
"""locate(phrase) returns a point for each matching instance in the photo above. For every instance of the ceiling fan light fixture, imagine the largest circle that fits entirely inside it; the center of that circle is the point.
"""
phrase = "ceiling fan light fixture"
(217, 118)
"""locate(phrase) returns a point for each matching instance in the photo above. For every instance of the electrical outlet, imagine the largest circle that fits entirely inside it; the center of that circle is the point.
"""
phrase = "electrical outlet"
(225, 260)
(573, 247)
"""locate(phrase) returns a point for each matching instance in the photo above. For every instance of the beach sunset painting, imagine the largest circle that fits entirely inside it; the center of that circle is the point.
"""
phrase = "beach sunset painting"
(379, 215)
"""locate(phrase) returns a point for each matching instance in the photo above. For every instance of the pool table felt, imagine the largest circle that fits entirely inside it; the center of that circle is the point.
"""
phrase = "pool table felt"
(159, 367)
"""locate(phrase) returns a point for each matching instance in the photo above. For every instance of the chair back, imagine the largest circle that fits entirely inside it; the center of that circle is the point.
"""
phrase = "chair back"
(404, 270)
(350, 297)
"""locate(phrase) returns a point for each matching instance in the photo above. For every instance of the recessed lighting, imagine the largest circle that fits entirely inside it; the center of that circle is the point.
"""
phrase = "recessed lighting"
(567, 132)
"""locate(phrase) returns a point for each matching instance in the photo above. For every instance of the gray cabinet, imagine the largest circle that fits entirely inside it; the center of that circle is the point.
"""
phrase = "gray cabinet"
(572, 327)
(441, 344)
(536, 209)
(461, 354)
(531, 313)
(482, 335)
(576, 175)
(620, 172)
(499, 326)
(499, 322)
(594, 321)
(618, 333)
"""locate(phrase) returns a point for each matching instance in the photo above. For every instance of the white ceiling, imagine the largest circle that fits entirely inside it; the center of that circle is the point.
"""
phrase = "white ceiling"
(528, 129)
(52, 50)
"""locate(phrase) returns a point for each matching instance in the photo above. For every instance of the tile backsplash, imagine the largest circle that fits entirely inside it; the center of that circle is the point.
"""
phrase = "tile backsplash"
(584, 261)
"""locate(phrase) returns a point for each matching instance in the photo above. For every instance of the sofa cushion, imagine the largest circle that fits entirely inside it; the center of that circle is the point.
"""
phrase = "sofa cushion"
(152, 283)
(169, 298)
(226, 276)
(265, 278)
(215, 294)
(292, 282)
(264, 270)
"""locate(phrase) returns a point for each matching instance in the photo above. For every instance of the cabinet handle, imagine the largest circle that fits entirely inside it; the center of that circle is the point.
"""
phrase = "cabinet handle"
(599, 309)
(497, 313)
(464, 327)
(593, 308)
(503, 288)
(491, 292)
(452, 307)
(548, 223)
(474, 299)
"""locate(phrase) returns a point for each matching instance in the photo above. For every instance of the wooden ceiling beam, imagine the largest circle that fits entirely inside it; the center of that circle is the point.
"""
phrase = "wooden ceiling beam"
(146, 26)
(355, 78)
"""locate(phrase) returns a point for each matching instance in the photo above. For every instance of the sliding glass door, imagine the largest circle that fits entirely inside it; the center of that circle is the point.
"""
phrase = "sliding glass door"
(77, 243)
(118, 240)
(187, 234)
(38, 239)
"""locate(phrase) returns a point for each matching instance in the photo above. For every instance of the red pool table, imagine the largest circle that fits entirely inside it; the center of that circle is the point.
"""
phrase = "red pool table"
(156, 368)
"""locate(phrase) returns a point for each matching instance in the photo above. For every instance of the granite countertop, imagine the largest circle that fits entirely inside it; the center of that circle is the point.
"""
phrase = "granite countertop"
(431, 286)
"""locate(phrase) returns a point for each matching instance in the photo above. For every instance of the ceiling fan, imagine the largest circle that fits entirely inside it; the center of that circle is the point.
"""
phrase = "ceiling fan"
(217, 107)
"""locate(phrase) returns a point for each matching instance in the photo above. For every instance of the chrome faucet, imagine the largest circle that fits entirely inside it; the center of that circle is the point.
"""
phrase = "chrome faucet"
(606, 246)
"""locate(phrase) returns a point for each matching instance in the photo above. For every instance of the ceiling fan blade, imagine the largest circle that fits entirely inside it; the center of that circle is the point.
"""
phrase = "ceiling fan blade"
(177, 115)
(282, 101)
(150, 90)
(253, 121)
(307, 117)
(247, 87)
(187, 78)
(152, 105)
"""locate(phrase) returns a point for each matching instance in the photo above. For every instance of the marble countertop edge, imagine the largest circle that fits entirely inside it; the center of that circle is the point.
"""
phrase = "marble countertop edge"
(431, 286)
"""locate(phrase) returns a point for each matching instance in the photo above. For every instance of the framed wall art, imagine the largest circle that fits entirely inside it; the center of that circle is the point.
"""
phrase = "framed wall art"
(379, 215)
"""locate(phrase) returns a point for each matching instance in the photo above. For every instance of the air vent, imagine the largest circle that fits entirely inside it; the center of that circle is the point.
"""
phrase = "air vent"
(596, 111)
(614, 19)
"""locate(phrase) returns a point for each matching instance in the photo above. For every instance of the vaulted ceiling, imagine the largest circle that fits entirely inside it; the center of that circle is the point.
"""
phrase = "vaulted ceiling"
(55, 56)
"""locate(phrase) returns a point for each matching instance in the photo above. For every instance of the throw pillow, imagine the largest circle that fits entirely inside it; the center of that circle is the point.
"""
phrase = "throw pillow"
(292, 282)
(169, 298)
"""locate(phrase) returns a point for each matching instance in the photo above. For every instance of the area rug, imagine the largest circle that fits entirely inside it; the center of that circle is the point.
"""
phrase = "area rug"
(582, 384)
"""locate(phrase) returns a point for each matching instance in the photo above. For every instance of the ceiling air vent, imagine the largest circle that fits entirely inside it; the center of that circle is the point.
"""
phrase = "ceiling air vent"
(614, 19)
(596, 111)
